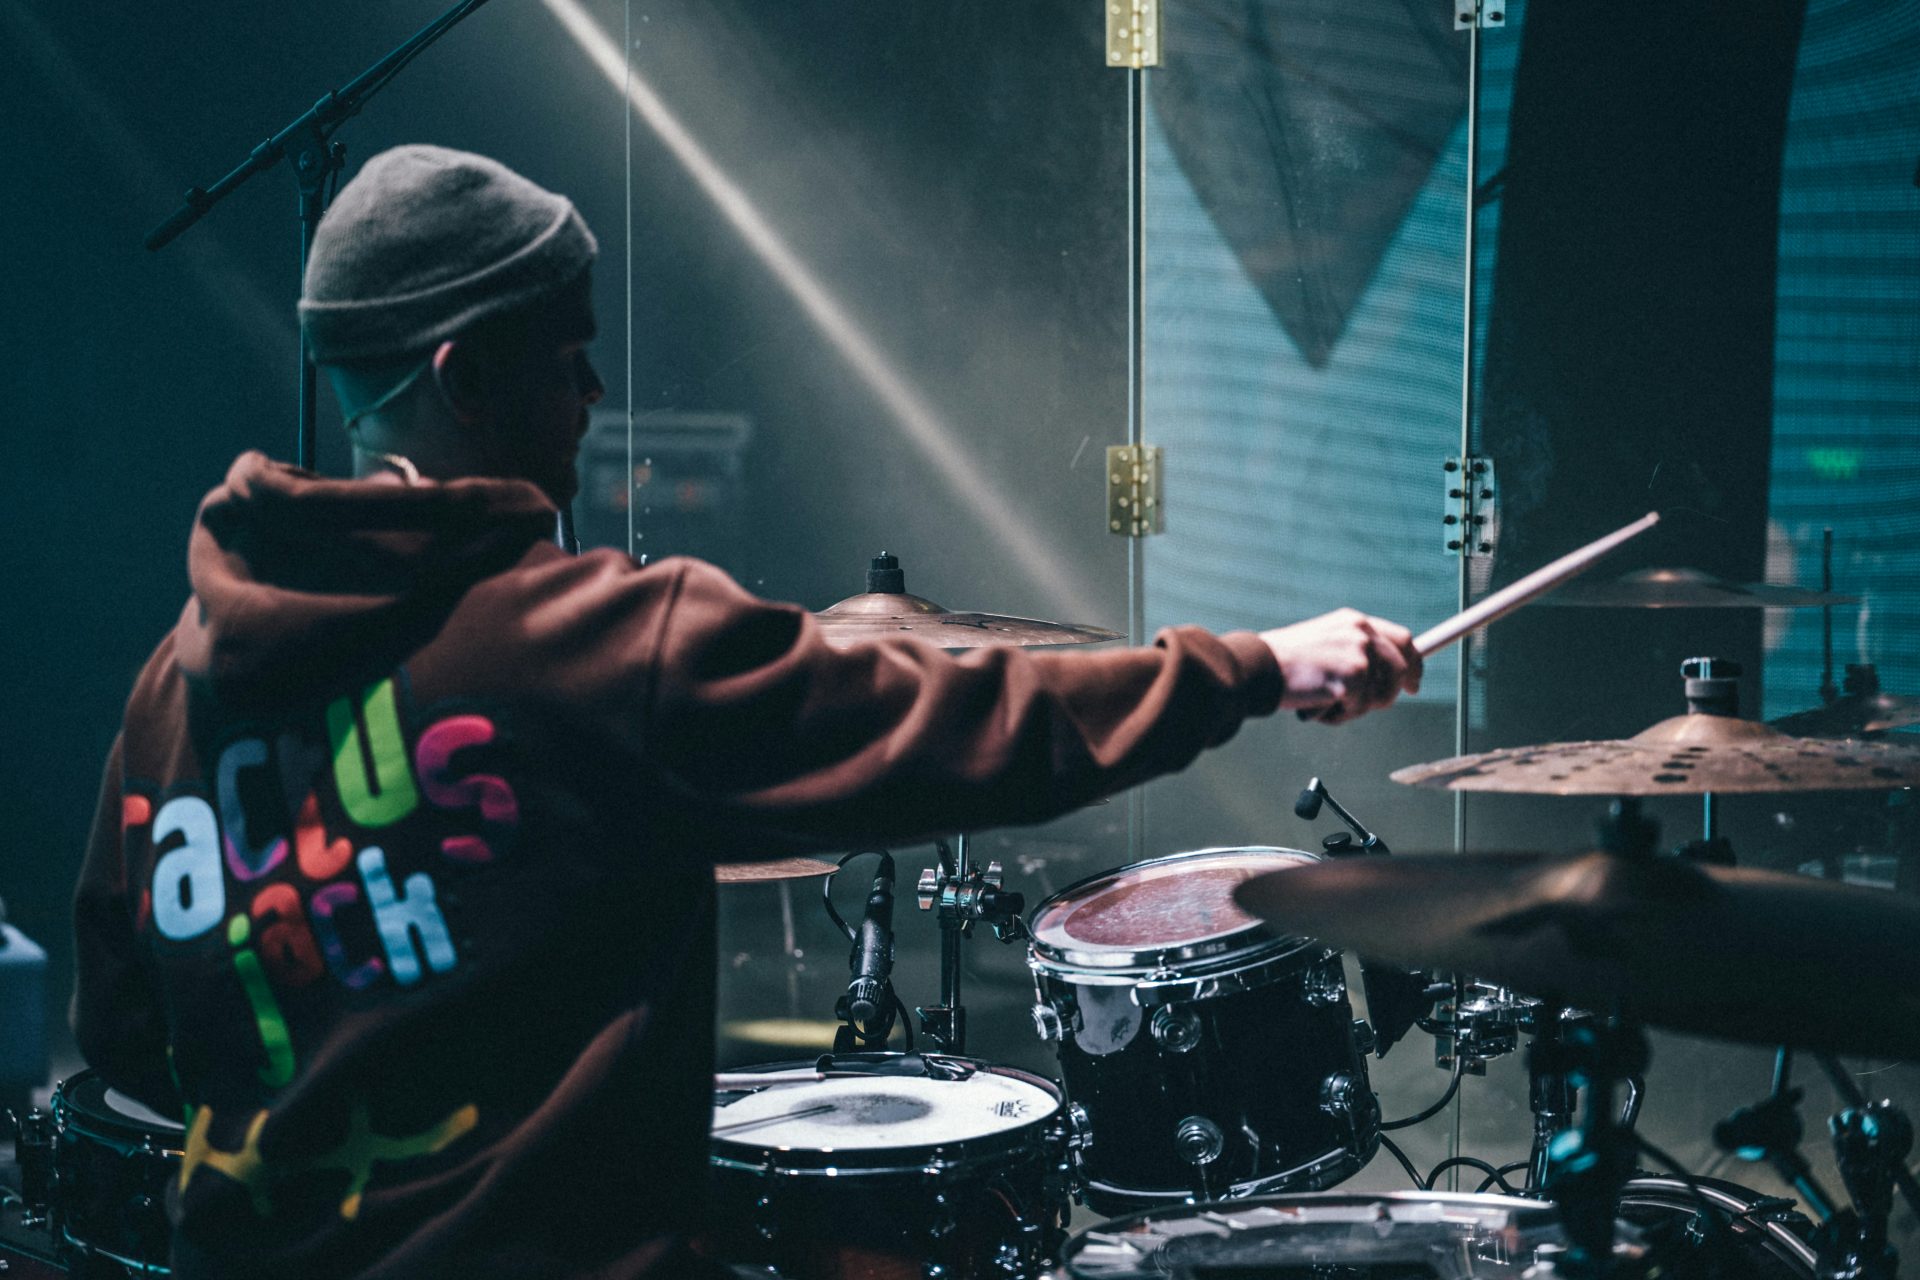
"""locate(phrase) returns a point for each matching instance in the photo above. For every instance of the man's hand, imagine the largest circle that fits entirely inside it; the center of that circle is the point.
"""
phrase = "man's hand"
(1344, 664)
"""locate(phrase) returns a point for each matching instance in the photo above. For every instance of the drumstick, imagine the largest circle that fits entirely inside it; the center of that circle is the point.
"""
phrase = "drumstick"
(1512, 596)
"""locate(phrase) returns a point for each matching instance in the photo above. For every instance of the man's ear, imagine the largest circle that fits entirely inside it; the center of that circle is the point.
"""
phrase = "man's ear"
(462, 381)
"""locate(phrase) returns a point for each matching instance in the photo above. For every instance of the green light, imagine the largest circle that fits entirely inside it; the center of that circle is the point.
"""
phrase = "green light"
(1834, 463)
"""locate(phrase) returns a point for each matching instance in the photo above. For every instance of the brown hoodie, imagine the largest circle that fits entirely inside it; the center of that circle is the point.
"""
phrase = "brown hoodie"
(401, 882)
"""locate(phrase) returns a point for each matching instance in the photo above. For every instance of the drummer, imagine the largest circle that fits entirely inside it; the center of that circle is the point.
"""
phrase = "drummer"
(400, 891)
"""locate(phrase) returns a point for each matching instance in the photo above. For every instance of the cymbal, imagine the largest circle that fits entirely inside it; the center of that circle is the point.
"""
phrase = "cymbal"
(1684, 755)
(776, 869)
(1687, 589)
(1723, 951)
(885, 609)
(1852, 714)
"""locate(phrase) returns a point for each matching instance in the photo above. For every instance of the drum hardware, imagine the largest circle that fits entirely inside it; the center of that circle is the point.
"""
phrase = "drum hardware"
(962, 895)
(1661, 1231)
(33, 1154)
(93, 1176)
(1770, 1130)
(1396, 998)
(886, 610)
(866, 1010)
(1871, 1140)
(893, 1165)
(1214, 1058)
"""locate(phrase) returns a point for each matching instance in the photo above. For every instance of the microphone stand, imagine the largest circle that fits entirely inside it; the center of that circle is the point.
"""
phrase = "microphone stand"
(317, 160)
(1396, 998)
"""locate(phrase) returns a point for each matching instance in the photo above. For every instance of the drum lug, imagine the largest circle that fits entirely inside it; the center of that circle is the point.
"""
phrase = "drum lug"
(33, 1152)
(1324, 984)
(1055, 1017)
(1079, 1130)
(1341, 1097)
(1364, 1040)
(1175, 1028)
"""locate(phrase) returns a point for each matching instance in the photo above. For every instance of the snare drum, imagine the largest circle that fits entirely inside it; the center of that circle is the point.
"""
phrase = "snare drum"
(890, 1165)
(112, 1160)
(1418, 1234)
(1214, 1058)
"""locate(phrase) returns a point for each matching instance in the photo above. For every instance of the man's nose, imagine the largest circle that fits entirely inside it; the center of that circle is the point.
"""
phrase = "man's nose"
(592, 390)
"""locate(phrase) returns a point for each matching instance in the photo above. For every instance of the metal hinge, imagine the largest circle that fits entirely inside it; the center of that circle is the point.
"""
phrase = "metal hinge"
(1469, 520)
(1483, 14)
(1133, 33)
(1134, 509)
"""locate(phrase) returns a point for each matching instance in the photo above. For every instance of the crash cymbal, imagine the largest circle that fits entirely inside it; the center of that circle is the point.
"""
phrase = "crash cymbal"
(885, 609)
(1688, 589)
(1862, 708)
(1724, 951)
(763, 872)
(1853, 714)
(1684, 755)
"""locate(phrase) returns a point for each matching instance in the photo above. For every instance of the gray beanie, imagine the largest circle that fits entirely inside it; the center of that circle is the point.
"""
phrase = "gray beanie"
(425, 242)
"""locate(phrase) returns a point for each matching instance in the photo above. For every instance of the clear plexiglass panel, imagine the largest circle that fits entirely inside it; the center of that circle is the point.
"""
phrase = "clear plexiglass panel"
(877, 256)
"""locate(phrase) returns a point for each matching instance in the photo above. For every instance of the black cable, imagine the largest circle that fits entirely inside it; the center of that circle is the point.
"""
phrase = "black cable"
(826, 892)
(1493, 1174)
(906, 1019)
(1453, 1087)
(1394, 1149)
(1500, 1177)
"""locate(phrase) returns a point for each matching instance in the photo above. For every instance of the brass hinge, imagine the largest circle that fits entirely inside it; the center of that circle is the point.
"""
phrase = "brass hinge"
(1133, 33)
(1483, 14)
(1133, 490)
(1469, 520)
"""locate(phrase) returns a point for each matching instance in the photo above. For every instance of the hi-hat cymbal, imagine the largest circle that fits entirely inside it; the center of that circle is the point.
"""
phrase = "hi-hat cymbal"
(1688, 589)
(1725, 951)
(885, 609)
(776, 869)
(1684, 755)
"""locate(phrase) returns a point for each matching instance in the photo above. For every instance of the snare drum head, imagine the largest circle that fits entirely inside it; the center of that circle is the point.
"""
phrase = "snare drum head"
(86, 1101)
(1177, 905)
(874, 1113)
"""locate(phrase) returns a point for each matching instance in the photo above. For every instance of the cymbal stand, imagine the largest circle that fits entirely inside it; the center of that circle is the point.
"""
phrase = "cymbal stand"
(1770, 1130)
(963, 895)
(1587, 1167)
(1871, 1141)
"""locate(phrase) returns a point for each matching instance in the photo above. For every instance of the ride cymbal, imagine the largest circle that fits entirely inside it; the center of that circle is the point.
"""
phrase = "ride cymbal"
(1683, 755)
(1688, 589)
(885, 609)
(1723, 951)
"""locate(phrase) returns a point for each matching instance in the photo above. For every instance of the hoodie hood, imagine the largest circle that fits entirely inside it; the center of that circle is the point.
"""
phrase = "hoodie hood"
(301, 581)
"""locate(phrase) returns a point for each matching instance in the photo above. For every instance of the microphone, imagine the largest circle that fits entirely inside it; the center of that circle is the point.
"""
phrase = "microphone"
(871, 961)
(1307, 808)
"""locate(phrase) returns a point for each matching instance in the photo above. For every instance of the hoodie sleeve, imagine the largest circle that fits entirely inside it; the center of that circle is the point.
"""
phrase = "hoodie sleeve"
(772, 736)
(118, 1014)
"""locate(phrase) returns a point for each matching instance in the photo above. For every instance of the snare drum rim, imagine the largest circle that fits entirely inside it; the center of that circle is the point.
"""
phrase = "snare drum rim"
(1671, 1193)
(1253, 942)
(90, 1118)
(997, 1150)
